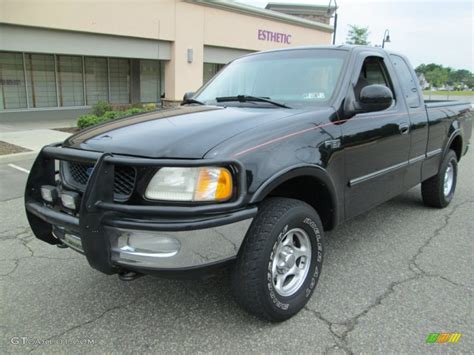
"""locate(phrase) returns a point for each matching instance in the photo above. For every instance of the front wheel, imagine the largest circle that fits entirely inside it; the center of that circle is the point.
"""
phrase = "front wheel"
(438, 191)
(280, 261)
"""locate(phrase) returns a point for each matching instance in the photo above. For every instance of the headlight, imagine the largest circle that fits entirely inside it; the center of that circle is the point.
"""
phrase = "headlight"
(190, 184)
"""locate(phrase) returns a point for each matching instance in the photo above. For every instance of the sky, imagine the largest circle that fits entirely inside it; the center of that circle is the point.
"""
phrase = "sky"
(426, 31)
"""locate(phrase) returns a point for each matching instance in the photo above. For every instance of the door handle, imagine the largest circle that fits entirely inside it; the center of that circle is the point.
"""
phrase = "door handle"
(404, 128)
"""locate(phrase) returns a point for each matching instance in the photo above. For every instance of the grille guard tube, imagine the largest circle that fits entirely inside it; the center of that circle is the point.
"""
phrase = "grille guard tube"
(41, 173)
(97, 204)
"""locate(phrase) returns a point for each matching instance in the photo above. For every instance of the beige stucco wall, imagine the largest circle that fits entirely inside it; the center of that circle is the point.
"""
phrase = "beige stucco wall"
(153, 19)
(240, 31)
(180, 75)
(186, 25)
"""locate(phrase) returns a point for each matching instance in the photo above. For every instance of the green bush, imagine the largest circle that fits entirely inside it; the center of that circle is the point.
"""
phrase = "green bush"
(100, 108)
(150, 107)
(87, 121)
(133, 111)
(110, 115)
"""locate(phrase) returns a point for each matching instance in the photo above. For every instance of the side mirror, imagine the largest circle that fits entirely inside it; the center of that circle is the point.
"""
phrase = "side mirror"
(188, 96)
(375, 98)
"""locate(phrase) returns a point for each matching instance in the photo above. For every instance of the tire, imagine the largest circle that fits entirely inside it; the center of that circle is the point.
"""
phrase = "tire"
(277, 242)
(433, 190)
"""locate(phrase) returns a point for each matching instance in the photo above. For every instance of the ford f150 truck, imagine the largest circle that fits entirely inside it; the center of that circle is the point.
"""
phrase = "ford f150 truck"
(250, 171)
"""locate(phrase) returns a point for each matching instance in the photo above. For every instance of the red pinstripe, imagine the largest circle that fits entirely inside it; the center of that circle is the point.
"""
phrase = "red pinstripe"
(274, 140)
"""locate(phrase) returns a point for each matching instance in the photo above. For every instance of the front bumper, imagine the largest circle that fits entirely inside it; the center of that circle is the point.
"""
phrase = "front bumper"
(115, 236)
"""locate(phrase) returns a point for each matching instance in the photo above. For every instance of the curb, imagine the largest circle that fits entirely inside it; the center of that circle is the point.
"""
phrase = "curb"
(18, 157)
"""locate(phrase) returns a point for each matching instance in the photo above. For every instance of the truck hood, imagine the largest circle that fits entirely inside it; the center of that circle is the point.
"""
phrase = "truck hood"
(184, 132)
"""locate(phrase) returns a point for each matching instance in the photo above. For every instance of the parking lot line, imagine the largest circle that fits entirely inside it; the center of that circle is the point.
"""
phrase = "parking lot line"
(19, 168)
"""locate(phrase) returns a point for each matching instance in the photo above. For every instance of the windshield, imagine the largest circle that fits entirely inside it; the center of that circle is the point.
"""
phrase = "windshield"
(298, 77)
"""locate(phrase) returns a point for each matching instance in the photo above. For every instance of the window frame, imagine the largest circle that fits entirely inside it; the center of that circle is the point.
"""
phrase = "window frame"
(358, 62)
(384, 71)
(32, 82)
(23, 102)
(414, 78)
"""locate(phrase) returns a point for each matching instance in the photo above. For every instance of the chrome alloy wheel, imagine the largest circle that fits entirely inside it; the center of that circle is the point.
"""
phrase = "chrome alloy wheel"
(291, 262)
(448, 180)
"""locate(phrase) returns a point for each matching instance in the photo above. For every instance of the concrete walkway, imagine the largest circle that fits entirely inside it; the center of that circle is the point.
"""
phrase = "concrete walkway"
(45, 119)
(33, 130)
(32, 139)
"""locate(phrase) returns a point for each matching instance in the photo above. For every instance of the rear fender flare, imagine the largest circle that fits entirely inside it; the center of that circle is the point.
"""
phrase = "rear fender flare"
(454, 133)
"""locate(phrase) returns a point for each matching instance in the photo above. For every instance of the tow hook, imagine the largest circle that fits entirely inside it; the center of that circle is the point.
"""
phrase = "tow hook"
(126, 275)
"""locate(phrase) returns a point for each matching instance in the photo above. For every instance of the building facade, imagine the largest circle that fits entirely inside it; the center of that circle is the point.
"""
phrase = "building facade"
(57, 55)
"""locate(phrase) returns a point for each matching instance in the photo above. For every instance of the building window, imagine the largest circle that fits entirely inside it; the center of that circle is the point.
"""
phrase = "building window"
(12, 81)
(211, 69)
(71, 82)
(96, 80)
(33, 80)
(119, 71)
(41, 79)
(149, 81)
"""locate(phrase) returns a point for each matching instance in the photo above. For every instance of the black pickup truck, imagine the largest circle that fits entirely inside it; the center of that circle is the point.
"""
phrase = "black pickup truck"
(250, 171)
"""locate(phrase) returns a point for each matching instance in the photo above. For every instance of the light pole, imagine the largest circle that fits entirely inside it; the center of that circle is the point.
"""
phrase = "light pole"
(329, 13)
(386, 38)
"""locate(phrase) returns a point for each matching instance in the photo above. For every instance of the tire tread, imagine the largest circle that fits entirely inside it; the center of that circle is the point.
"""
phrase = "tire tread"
(431, 189)
(246, 277)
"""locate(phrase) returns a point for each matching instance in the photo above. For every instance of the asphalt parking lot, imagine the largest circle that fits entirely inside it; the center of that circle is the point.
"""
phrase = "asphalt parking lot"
(390, 277)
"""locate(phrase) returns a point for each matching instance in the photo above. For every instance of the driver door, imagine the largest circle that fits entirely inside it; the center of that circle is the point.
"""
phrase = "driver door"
(376, 144)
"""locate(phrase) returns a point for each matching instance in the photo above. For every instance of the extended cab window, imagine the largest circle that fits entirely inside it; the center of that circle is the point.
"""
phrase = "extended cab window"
(407, 81)
(373, 72)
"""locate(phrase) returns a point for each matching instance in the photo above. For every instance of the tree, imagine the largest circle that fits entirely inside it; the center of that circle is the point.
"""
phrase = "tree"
(421, 69)
(358, 35)
(438, 75)
(425, 68)
(460, 76)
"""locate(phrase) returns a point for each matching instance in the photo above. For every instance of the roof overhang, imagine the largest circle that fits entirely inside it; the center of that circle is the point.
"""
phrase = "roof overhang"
(265, 13)
(292, 8)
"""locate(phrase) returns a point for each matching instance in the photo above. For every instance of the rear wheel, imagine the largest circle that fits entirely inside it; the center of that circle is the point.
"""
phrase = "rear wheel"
(438, 191)
(280, 261)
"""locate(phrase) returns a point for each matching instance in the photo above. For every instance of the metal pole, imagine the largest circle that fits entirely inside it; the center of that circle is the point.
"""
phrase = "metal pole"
(385, 38)
(108, 79)
(84, 102)
(56, 80)
(28, 105)
(335, 28)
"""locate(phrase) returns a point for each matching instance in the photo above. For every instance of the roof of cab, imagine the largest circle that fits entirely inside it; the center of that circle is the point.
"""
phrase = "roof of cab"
(346, 47)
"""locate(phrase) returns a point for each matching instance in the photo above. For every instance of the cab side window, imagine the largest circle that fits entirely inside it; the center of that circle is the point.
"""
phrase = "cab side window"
(407, 81)
(373, 72)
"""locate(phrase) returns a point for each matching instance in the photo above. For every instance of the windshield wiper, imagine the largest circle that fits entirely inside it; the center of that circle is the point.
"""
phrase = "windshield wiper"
(192, 101)
(247, 98)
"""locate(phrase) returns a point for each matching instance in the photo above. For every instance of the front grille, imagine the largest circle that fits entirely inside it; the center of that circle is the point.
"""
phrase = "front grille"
(77, 175)
(79, 172)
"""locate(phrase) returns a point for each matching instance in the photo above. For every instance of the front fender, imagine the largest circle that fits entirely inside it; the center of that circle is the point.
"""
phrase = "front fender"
(301, 170)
